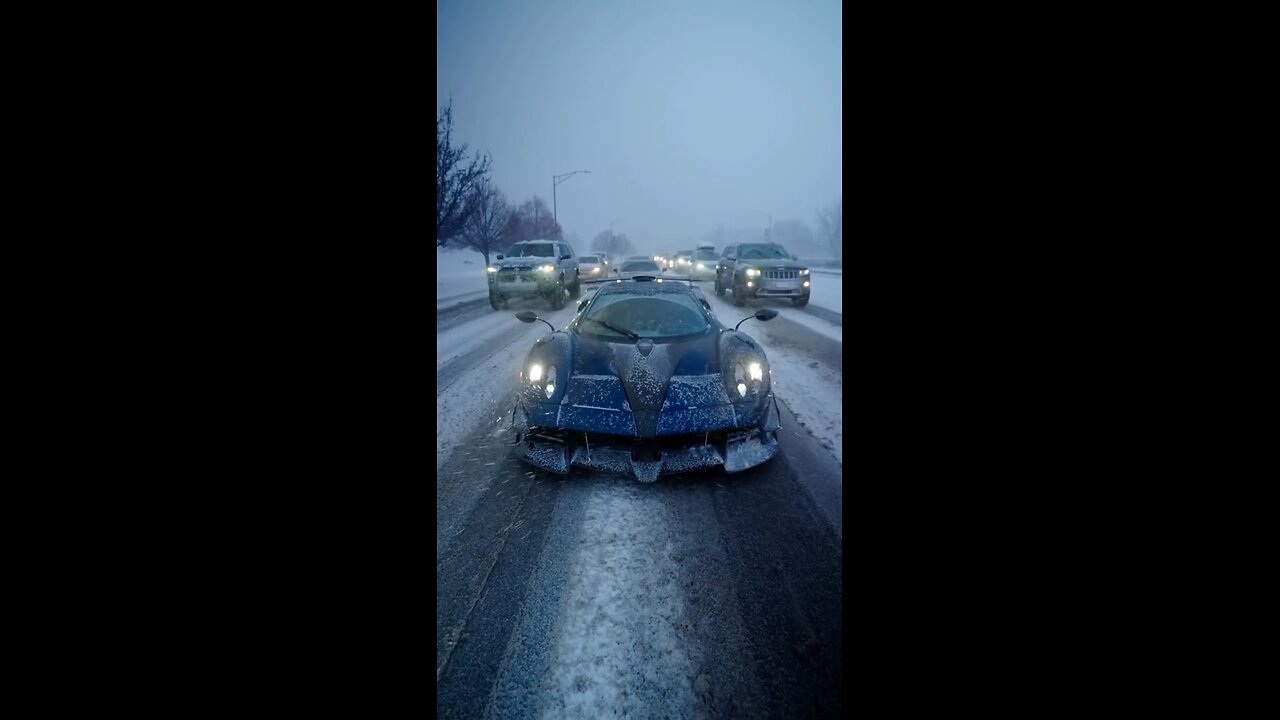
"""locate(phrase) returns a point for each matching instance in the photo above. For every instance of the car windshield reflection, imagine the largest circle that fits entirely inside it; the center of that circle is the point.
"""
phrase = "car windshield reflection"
(616, 317)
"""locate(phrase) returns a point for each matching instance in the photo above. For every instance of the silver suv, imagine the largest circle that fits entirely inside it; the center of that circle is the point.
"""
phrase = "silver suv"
(544, 268)
(761, 270)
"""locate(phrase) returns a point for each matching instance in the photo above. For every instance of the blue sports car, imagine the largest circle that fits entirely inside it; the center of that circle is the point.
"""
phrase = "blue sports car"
(644, 380)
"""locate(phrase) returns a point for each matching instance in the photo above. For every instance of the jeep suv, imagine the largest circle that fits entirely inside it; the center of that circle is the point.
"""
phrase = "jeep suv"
(761, 270)
(544, 268)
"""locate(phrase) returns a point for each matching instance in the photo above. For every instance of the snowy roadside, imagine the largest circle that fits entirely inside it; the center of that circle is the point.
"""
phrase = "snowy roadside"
(812, 393)
(460, 276)
(483, 394)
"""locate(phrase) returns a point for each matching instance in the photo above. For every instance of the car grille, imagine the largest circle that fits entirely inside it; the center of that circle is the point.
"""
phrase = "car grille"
(781, 274)
(511, 275)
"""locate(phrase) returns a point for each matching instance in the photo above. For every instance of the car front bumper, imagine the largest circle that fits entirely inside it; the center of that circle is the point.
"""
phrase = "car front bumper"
(525, 284)
(646, 459)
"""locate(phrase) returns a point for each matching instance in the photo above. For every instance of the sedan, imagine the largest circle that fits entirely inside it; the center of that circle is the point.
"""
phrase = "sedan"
(592, 267)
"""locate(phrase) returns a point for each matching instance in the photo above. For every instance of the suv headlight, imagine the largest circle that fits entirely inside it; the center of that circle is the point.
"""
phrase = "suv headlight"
(491, 269)
(804, 271)
(752, 272)
(546, 268)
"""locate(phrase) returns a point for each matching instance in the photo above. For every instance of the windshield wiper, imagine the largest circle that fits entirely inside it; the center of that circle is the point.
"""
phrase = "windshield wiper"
(614, 328)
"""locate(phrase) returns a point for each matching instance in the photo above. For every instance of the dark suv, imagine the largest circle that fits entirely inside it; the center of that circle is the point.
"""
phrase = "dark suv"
(761, 270)
(534, 267)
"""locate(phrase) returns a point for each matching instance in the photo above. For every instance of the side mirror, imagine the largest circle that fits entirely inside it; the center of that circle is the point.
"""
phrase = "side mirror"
(583, 304)
(761, 314)
(498, 256)
(564, 257)
(529, 316)
(795, 257)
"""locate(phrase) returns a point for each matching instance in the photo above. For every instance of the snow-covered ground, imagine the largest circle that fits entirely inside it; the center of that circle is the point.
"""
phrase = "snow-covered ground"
(460, 276)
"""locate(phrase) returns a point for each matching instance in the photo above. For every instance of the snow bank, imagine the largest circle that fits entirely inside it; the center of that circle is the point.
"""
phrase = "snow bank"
(460, 275)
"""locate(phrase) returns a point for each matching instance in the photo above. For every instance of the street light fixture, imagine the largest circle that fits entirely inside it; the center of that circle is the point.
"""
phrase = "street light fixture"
(556, 180)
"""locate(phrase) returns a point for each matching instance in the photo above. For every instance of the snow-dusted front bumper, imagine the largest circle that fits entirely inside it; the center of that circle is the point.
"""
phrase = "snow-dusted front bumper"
(750, 449)
(647, 459)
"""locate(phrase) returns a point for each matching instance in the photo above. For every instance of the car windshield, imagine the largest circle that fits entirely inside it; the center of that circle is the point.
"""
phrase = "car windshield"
(530, 250)
(588, 259)
(762, 252)
(639, 266)
(654, 315)
(708, 255)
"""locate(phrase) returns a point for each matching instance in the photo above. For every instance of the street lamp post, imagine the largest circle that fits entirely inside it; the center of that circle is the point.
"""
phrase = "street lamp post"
(556, 180)
(769, 231)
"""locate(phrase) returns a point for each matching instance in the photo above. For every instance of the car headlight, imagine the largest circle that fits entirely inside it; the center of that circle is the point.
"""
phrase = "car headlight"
(701, 266)
(535, 373)
(752, 272)
(804, 271)
(546, 268)
(491, 269)
(551, 381)
(749, 377)
(595, 269)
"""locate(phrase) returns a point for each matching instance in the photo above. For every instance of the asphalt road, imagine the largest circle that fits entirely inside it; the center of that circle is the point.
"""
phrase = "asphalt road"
(700, 595)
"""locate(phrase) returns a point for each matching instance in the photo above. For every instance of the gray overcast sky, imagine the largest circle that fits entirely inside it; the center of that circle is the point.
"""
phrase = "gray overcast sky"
(688, 114)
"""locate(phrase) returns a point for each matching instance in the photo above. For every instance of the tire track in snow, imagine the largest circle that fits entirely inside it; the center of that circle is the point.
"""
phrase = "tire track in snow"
(617, 647)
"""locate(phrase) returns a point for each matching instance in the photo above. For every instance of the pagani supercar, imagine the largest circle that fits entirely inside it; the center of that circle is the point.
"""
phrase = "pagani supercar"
(645, 381)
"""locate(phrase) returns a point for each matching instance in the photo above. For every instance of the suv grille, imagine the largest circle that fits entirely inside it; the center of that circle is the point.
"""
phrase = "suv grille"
(511, 275)
(781, 274)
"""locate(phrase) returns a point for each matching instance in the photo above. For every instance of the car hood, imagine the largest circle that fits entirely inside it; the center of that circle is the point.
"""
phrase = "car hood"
(772, 263)
(518, 263)
(649, 373)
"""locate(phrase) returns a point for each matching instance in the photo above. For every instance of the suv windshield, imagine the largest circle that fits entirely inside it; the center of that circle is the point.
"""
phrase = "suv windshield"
(531, 250)
(657, 316)
(762, 252)
(588, 259)
(707, 255)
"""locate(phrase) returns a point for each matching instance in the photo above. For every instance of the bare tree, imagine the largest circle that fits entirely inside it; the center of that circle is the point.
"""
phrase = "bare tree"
(618, 246)
(794, 235)
(484, 230)
(458, 180)
(532, 221)
(715, 237)
(831, 226)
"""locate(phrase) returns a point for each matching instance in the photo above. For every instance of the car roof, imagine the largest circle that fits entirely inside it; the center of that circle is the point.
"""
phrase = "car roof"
(647, 287)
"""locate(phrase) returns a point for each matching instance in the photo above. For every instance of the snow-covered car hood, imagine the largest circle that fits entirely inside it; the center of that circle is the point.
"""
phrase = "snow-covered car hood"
(523, 262)
(773, 263)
